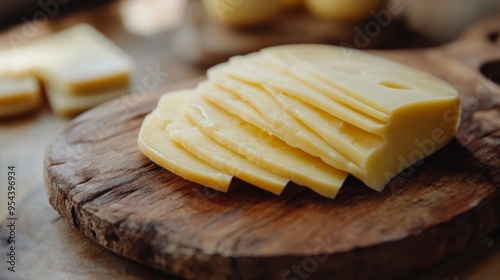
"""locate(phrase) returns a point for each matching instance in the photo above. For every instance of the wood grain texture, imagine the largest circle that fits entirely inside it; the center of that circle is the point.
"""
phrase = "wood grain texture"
(98, 181)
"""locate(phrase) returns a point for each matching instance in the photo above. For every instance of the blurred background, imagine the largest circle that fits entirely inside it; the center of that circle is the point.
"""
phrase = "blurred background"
(212, 30)
(184, 37)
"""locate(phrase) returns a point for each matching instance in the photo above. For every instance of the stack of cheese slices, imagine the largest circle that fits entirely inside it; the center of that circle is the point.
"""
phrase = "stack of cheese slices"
(78, 68)
(310, 114)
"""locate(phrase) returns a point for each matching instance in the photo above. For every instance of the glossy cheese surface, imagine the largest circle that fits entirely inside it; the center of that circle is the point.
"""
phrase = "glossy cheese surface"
(260, 71)
(181, 130)
(264, 149)
(314, 114)
(360, 103)
(268, 115)
(365, 80)
(156, 145)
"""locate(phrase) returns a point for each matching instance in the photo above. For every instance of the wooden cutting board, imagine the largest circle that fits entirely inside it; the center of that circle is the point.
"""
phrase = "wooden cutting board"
(98, 181)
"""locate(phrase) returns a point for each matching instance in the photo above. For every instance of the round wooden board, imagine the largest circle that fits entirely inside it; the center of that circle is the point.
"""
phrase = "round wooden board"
(98, 181)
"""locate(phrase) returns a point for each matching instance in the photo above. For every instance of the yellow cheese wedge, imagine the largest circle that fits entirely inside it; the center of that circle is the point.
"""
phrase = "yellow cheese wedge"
(154, 142)
(411, 115)
(181, 130)
(363, 78)
(263, 149)
(19, 96)
(78, 62)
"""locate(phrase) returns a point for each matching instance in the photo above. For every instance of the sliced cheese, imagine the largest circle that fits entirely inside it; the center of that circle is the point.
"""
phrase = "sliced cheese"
(76, 61)
(276, 82)
(353, 142)
(363, 78)
(263, 149)
(204, 147)
(356, 100)
(70, 106)
(315, 113)
(19, 96)
(266, 114)
(181, 130)
(272, 61)
(79, 67)
(156, 145)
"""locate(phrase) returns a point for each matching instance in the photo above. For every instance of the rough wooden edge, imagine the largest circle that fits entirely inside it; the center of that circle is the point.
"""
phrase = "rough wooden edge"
(476, 223)
(399, 255)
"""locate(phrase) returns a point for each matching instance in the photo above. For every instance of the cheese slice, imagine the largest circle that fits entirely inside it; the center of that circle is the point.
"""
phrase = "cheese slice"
(19, 96)
(363, 78)
(205, 148)
(276, 82)
(154, 142)
(181, 130)
(315, 113)
(269, 116)
(70, 106)
(354, 143)
(406, 113)
(78, 62)
(263, 149)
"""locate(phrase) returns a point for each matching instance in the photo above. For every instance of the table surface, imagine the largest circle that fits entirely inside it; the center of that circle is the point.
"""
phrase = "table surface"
(48, 248)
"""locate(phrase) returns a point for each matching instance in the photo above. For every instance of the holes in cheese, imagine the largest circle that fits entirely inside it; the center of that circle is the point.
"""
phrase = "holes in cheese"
(369, 138)
(329, 66)
(393, 85)
(79, 67)
(314, 113)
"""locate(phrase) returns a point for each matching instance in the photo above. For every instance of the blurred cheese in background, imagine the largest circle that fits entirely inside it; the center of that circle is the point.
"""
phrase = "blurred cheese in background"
(344, 10)
(248, 13)
(243, 13)
(437, 20)
(147, 17)
(443, 20)
(19, 96)
(78, 67)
